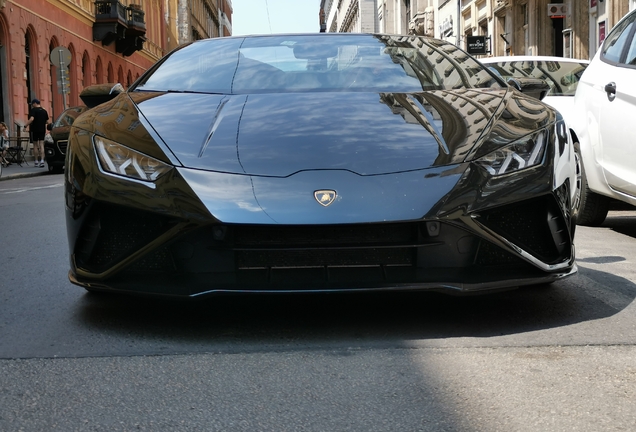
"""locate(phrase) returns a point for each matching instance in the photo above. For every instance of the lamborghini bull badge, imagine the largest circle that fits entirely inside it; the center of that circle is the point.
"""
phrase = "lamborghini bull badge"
(325, 197)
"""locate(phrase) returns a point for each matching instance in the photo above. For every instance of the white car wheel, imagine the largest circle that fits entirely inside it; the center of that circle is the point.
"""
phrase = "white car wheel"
(590, 209)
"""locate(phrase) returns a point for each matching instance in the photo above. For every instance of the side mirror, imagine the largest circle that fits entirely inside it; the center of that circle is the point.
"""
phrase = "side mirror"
(535, 87)
(99, 93)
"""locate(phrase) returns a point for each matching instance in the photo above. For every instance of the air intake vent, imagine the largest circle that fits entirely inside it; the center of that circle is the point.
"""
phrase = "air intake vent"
(536, 226)
(113, 233)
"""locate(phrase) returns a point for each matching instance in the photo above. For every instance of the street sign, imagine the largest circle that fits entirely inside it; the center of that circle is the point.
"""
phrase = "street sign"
(60, 56)
(476, 45)
(63, 80)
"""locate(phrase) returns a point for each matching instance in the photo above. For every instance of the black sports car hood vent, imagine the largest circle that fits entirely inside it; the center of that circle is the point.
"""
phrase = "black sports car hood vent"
(281, 134)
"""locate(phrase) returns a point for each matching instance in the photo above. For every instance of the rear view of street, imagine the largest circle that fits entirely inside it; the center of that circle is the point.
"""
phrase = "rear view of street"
(549, 358)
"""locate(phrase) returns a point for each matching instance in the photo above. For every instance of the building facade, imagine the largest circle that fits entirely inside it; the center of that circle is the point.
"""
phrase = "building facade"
(51, 53)
(564, 28)
(373, 16)
(201, 19)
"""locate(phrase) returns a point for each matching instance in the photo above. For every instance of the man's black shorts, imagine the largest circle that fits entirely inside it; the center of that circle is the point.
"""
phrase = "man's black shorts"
(38, 136)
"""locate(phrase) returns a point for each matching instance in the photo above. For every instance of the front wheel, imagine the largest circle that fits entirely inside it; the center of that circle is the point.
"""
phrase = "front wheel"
(594, 208)
(590, 208)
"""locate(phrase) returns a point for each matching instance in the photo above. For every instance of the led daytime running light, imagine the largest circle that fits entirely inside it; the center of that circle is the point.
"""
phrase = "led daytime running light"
(121, 160)
(522, 154)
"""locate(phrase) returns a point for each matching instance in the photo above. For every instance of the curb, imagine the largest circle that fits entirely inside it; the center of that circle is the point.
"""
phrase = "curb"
(18, 175)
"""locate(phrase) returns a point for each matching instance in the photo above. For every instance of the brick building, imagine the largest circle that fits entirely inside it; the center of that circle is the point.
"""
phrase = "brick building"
(108, 41)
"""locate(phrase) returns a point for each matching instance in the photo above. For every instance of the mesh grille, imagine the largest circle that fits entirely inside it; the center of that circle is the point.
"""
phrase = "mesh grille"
(113, 233)
(316, 246)
(489, 254)
(342, 235)
(159, 261)
(322, 257)
(537, 226)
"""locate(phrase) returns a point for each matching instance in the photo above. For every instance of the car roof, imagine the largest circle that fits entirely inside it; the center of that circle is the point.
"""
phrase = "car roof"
(531, 58)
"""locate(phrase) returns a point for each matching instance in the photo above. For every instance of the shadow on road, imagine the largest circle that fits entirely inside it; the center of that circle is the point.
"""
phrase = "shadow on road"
(621, 218)
(347, 318)
(623, 222)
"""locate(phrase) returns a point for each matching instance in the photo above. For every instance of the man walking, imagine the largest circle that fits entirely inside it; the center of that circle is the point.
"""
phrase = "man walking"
(38, 119)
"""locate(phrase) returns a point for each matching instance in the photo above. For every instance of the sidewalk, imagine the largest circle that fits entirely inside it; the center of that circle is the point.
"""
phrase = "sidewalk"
(14, 171)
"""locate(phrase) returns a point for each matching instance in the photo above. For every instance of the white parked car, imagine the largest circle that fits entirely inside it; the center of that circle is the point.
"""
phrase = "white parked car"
(561, 74)
(604, 109)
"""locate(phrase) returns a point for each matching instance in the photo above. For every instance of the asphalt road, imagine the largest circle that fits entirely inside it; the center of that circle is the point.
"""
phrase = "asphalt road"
(554, 358)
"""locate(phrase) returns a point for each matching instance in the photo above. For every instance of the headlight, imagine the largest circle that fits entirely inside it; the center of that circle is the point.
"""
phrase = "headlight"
(121, 160)
(521, 154)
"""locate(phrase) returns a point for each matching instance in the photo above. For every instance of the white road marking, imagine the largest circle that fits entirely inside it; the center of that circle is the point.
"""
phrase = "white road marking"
(12, 191)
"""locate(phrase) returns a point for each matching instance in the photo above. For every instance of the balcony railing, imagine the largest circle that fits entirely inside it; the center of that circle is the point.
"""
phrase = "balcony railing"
(136, 17)
(124, 25)
(110, 10)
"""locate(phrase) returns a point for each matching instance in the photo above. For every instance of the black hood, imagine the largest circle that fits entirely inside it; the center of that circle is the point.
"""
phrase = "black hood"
(281, 134)
(277, 135)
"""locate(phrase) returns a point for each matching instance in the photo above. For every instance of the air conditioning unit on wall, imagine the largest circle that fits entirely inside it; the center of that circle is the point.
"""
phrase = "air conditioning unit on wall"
(557, 10)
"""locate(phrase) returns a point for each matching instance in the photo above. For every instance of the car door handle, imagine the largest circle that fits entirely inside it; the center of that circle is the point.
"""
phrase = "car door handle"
(610, 89)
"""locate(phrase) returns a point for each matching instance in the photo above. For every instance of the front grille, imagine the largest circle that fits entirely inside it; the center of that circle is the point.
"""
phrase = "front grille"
(112, 233)
(318, 246)
(536, 226)
(489, 255)
(267, 257)
(61, 146)
(326, 235)
(390, 256)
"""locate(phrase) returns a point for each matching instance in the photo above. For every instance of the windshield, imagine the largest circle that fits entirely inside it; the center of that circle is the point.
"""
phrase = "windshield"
(563, 77)
(68, 117)
(317, 63)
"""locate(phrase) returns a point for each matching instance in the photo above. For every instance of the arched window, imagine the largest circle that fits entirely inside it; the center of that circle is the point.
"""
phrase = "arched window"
(99, 71)
(72, 73)
(86, 70)
(111, 73)
(28, 73)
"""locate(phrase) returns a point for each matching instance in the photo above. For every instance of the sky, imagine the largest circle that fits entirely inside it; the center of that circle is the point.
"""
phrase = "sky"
(285, 16)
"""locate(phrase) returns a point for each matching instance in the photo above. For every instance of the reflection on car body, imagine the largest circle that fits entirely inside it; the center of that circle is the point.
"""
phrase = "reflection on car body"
(561, 74)
(210, 179)
(55, 152)
(604, 109)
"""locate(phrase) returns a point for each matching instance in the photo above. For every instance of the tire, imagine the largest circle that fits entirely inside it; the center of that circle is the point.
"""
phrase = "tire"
(594, 208)
(578, 181)
(590, 209)
(55, 169)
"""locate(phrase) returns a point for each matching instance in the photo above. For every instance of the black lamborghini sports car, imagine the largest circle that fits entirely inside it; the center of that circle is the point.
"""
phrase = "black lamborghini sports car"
(325, 162)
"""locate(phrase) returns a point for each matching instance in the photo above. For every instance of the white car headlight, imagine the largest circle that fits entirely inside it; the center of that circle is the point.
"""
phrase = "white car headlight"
(521, 154)
(121, 160)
